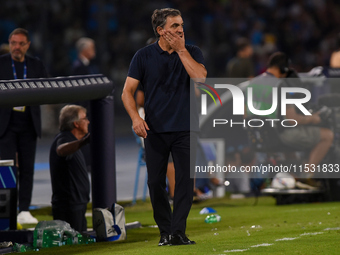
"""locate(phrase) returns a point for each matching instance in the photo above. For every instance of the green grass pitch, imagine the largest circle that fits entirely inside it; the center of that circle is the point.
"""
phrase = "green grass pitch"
(244, 229)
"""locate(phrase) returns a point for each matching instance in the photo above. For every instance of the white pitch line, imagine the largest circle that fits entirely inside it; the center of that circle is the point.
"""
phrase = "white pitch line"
(312, 234)
(237, 250)
(283, 239)
(328, 229)
(261, 245)
(286, 239)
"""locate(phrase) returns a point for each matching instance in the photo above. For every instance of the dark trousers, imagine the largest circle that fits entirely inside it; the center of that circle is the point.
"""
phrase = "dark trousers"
(157, 149)
(76, 218)
(24, 141)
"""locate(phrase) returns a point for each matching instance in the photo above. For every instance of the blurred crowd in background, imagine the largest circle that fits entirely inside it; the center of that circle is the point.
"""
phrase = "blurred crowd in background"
(305, 29)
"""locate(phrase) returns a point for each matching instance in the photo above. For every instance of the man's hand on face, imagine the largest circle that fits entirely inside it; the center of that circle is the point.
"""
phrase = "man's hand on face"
(176, 41)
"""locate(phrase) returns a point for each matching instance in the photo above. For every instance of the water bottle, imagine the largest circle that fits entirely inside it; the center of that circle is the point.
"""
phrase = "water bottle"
(38, 233)
(90, 240)
(68, 240)
(19, 247)
(212, 218)
(51, 238)
(23, 248)
(78, 239)
(37, 237)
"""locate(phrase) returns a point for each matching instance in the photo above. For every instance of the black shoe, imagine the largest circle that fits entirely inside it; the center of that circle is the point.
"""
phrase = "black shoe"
(180, 239)
(165, 240)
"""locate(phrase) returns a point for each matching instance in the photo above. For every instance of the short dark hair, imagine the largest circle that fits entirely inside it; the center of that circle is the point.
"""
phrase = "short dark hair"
(279, 60)
(68, 115)
(242, 43)
(159, 16)
(18, 31)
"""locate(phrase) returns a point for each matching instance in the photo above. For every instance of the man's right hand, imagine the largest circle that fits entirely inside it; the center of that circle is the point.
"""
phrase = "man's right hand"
(139, 126)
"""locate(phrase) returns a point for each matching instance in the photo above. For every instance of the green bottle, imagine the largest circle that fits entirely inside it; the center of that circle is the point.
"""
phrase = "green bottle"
(19, 247)
(37, 235)
(52, 238)
(212, 218)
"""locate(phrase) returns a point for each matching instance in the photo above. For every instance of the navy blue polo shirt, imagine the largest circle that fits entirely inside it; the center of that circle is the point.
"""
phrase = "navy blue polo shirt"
(166, 85)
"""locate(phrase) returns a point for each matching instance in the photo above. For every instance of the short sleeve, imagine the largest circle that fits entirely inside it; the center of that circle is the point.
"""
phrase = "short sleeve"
(61, 141)
(136, 66)
(196, 54)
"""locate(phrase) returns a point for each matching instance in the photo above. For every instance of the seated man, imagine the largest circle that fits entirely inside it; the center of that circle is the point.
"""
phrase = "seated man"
(69, 177)
(305, 136)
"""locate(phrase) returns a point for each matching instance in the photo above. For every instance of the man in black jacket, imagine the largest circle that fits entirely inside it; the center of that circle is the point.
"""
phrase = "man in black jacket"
(21, 125)
(86, 52)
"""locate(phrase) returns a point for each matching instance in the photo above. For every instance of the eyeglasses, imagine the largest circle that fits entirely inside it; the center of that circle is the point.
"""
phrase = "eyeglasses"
(21, 44)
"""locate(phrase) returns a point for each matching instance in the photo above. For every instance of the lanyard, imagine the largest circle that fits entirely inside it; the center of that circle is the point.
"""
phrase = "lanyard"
(19, 108)
(15, 72)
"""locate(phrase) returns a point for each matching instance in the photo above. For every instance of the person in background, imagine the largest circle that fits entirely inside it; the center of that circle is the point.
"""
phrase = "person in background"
(306, 135)
(69, 177)
(241, 66)
(86, 49)
(20, 126)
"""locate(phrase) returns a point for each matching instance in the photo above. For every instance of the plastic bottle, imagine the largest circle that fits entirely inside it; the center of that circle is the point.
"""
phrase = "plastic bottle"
(19, 247)
(90, 240)
(57, 233)
(68, 240)
(23, 247)
(51, 238)
(212, 218)
(38, 234)
(38, 243)
(37, 237)
(77, 239)
(68, 236)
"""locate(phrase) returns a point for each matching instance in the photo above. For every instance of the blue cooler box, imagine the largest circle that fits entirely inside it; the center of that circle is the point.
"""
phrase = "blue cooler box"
(8, 195)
